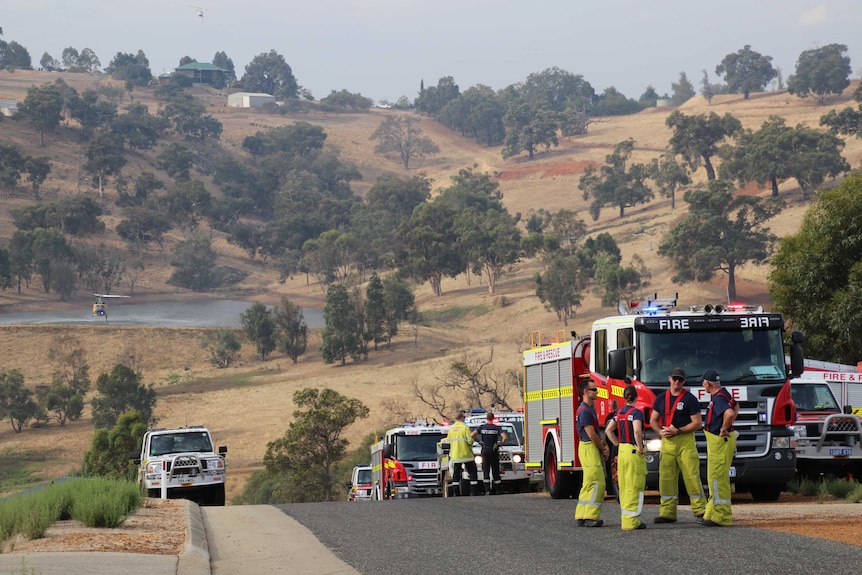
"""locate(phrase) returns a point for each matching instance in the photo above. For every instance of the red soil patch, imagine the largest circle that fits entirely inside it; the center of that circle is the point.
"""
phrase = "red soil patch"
(543, 170)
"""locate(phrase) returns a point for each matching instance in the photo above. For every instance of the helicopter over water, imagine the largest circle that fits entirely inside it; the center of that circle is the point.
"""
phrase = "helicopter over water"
(100, 307)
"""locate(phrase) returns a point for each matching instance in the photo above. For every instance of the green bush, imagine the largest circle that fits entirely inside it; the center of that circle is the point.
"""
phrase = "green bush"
(840, 488)
(805, 486)
(105, 502)
(94, 502)
(855, 496)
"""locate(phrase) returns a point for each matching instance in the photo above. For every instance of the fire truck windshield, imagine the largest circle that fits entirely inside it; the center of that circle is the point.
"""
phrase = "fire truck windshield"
(417, 447)
(511, 434)
(740, 356)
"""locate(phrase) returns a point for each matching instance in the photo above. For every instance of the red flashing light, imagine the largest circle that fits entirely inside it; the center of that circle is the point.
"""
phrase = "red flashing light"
(736, 307)
(634, 304)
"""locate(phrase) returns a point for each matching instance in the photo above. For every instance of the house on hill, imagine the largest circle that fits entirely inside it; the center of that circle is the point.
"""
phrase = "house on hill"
(203, 73)
(249, 100)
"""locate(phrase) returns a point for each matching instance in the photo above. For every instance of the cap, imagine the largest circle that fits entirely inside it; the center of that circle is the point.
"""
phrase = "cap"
(678, 372)
(711, 375)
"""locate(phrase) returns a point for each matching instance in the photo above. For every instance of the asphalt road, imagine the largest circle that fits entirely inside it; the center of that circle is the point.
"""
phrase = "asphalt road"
(517, 534)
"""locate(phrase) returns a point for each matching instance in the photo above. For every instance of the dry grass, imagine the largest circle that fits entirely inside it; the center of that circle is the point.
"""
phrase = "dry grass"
(249, 405)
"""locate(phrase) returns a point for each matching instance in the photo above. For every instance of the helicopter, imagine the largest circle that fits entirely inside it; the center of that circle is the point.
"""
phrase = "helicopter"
(100, 308)
(200, 12)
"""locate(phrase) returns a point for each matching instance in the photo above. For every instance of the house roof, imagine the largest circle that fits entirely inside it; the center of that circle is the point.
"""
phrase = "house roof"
(252, 94)
(200, 66)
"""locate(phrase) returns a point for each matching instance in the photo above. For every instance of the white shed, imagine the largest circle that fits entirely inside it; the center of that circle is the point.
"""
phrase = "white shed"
(248, 100)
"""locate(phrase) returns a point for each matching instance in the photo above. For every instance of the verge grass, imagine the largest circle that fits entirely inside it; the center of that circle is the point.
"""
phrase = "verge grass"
(94, 502)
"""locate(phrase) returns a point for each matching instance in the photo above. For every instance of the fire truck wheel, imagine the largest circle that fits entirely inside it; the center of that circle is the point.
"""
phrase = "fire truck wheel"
(559, 484)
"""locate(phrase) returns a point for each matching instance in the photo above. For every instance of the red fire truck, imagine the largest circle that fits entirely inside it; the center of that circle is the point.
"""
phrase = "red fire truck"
(389, 479)
(743, 343)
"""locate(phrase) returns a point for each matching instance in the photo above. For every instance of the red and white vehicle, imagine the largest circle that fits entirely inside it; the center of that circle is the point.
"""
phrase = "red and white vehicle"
(359, 488)
(389, 479)
(743, 343)
(828, 431)
(414, 445)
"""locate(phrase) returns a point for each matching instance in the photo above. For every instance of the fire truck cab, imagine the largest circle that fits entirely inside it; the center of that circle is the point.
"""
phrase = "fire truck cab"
(743, 343)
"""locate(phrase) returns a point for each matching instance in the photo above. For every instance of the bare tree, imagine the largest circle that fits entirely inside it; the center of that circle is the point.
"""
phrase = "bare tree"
(469, 382)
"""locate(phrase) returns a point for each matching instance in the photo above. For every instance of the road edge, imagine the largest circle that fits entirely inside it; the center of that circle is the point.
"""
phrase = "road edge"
(195, 558)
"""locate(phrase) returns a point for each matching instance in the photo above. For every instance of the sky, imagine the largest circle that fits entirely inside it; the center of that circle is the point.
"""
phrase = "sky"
(383, 49)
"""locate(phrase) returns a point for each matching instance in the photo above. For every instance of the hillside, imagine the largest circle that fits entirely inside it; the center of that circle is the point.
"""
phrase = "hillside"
(250, 405)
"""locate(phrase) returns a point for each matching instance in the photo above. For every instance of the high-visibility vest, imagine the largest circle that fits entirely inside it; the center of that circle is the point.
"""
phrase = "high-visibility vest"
(460, 443)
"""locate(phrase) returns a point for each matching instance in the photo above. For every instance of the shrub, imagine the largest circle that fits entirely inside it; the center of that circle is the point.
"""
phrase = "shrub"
(805, 486)
(855, 496)
(840, 488)
(105, 502)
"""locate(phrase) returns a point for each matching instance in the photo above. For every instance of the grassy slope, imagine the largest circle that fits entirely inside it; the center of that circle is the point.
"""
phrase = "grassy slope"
(249, 405)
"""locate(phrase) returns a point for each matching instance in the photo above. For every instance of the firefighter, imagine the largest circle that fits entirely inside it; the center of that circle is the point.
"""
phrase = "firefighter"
(460, 442)
(591, 451)
(720, 447)
(491, 436)
(631, 464)
(676, 416)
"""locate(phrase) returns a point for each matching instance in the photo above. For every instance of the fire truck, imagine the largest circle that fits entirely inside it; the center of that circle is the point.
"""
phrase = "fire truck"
(828, 432)
(414, 445)
(389, 479)
(642, 346)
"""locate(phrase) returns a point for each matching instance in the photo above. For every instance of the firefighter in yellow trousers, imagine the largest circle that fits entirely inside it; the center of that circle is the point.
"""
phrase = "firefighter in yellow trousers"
(626, 430)
(460, 441)
(591, 451)
(720, 447)
(675, 417)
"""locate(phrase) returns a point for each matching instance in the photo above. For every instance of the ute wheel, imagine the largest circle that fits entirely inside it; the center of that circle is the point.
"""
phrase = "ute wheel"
(559, 484)
(448, 489)
(766, 492)
(217, 495)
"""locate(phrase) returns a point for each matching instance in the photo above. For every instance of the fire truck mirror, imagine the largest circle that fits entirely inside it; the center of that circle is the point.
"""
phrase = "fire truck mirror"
(617, 364)
(797, 361)
(848, 410)
(388, 450)
(797, 337)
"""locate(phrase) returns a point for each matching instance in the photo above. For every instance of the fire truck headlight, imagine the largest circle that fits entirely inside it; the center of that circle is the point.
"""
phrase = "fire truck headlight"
(517, 458)
(798, 431)
(653, 444)
(780, 443)
(478, 460)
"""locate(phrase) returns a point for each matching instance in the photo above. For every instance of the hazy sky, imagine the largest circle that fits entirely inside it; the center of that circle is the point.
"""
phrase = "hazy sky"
(383, 48)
